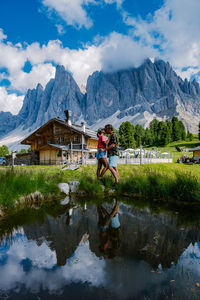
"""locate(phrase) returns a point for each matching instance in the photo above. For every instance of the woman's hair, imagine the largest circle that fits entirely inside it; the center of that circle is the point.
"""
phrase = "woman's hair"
(99, 132)
(109, 127)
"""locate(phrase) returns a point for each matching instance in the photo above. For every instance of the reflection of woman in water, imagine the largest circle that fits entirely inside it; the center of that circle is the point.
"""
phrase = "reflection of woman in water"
(104, 220)
(109, 230)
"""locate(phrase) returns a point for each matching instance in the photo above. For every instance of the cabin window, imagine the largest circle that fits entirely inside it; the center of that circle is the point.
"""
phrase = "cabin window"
(59, 153)
(57, 130)
(48, 142)
(76, 138)
(75, 154)
(64, 153)
(39, 142)
(62, 139)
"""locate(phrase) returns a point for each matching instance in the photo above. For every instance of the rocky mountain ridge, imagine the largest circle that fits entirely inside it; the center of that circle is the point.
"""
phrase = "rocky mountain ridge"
(137, 95)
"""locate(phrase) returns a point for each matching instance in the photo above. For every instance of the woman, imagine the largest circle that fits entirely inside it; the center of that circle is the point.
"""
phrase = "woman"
(101, 154)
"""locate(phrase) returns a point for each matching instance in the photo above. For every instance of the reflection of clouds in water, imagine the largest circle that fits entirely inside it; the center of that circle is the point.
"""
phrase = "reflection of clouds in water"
(83, 266)
(40, 256)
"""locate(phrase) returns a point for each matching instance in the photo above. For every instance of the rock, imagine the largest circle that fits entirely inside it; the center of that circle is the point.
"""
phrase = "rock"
(141, 94)
(72, 167)
(74, 186)
(152, 90)
(64, 187)
(8, 122)
(65, 201)
(31, 199)
(111, 191)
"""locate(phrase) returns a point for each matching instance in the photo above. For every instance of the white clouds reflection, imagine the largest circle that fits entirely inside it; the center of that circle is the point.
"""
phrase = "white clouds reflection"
(44, 274)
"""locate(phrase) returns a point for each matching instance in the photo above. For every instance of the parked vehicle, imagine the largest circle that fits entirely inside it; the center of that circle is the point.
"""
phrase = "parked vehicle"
(2, 160)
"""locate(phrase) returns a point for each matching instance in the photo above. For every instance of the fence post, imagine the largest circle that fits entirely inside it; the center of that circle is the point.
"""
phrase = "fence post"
(71, 152)
(13, 159)
(82, 148)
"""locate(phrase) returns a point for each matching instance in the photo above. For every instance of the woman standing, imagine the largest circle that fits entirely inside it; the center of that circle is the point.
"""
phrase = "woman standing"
(101, 153)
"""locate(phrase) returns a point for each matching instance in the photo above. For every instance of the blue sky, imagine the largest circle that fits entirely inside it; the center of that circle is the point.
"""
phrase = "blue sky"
(89, 35)
(30, 22)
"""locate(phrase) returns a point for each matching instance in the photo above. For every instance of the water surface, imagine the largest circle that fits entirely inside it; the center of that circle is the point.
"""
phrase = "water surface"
(80, 252)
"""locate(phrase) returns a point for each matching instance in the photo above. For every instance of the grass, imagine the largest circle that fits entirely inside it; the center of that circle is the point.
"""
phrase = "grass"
(14, 184)
(162, 185)
(162, 182)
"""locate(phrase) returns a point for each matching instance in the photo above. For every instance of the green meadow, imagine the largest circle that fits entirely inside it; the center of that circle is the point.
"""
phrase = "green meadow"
(161, 182)
(183, 145)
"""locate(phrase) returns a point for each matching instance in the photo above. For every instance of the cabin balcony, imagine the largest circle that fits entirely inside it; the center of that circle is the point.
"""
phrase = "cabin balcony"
(77, 146)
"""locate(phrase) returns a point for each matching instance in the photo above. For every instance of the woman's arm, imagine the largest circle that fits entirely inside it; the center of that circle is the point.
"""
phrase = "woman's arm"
(115, 210)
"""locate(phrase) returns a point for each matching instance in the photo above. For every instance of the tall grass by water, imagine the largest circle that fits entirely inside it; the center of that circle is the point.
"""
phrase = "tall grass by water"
(162, 182)
(157, 185)
(14, 184)
(165, 182)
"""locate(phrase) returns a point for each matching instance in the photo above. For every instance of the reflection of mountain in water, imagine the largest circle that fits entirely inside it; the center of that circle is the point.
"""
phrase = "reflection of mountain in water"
(157, 239)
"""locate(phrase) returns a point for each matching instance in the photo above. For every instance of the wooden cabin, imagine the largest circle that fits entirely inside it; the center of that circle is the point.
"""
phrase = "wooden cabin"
(196, 153)
(61, 141)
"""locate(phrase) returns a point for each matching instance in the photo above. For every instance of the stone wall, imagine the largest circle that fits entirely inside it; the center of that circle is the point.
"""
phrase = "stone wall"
(31, 158)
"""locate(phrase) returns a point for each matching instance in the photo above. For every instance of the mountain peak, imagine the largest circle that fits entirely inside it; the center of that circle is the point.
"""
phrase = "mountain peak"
(137, 95)
(39, 87)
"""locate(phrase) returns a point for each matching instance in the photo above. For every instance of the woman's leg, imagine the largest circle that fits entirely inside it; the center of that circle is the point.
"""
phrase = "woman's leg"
(115, 168)
(114, 173)
(99, 168)
(105, 163)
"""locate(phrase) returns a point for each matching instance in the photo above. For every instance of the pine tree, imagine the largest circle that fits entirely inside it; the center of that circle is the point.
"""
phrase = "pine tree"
(153, 126)
(163, 134)
(169, 125)
(182, 130)
(139, 135)
(189, 136)
(176, 130)
(148, 138)
(126, 135)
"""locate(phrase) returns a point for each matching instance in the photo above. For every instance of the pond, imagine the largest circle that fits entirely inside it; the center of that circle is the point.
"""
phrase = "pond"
(100, 251)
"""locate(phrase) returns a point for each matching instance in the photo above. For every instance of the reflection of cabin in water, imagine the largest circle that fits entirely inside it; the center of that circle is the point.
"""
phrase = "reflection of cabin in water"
(58, 141)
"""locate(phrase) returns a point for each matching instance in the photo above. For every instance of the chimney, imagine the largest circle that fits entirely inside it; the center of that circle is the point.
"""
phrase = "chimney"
(83, 126)
(68, 115)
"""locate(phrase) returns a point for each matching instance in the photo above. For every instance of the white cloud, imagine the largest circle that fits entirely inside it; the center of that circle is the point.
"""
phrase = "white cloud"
(40, 73)
(81, 62)
(174, 29)
(118, 2)
(122, 52)
(60, 29)
(12, 57)
(10, 102)
(72, 12)
(2, 35)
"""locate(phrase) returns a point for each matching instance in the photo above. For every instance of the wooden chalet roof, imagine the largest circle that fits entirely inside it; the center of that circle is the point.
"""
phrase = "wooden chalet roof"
(74, 127)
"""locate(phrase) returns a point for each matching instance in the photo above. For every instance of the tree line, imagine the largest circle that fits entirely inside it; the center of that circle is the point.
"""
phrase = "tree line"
(4, 151)
(159, 133)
